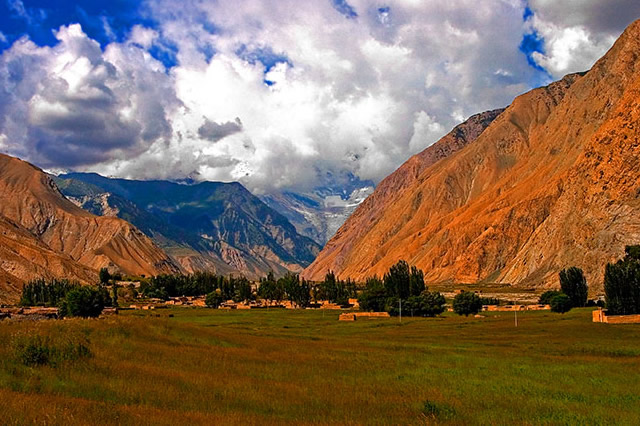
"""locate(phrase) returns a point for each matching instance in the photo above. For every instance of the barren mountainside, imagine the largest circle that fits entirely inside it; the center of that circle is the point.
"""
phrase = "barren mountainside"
(44, 234)
(553, 181)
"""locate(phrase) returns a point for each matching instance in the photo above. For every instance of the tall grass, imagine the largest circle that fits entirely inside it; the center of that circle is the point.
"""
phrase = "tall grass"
(254, 367)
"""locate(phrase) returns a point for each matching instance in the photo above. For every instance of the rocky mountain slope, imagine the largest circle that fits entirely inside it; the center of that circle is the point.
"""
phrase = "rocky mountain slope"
(553, 181)
(44, 234)
(207, 226)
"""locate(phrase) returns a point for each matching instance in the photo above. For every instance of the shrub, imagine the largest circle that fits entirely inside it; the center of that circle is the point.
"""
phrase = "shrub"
(545, 298)
(561, 303)
(37, 350)
(85, 302)
(438, 411)
(467, 303)
(574, 285)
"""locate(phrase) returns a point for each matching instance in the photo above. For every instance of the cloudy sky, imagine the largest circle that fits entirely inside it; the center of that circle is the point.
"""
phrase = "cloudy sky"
(274, 92)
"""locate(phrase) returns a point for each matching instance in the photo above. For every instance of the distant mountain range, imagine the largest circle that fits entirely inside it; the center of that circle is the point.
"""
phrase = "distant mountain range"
(319, 213)
(211, 226)
(513, 196)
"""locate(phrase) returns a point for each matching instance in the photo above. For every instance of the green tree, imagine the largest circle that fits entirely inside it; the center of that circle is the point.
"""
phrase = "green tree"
(105, 276)
(432, 303)
(574, 284)
(397, 280)
(85, 302)
(467, 303)
(374, 296)
(242, 289)
(622, 284)
(545, 298)
(561, 303)
(214, 299)
(416, 282)
(114, 297)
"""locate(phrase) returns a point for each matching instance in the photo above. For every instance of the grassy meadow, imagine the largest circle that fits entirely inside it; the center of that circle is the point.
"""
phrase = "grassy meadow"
(201, 366)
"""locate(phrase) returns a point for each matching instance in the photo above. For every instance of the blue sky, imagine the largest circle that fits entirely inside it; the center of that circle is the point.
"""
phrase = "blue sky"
(273, 94)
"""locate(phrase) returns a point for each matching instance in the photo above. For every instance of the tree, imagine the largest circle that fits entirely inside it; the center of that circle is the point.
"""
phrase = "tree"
(622, 284)
(214, 299)
(545, 298)
(416, 282)
(374, 296)
(432, 303)
(114, 290)
(574, 285)
(242, 288)
(561, 303)
(427, 304)
(467, 303)
(105, 276)
(85, 302)
(397, 280)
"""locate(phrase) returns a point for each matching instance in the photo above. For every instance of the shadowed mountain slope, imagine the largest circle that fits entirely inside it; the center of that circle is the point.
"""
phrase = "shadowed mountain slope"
(207, 226)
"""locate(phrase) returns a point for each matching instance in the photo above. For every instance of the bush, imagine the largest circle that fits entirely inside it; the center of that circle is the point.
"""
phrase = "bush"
(560, 303)
(36, 350)
(545, 298)
(438, 411)
(467, 303)
(574, 285)
(85, 302)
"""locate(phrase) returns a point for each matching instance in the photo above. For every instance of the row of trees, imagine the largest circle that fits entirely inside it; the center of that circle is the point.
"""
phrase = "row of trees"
(401, 286)
(73, 299)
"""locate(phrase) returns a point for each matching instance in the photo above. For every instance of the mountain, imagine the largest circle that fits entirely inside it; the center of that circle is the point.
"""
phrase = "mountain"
(553, 181)
(319, 213)
(44, 234)
(206, 226)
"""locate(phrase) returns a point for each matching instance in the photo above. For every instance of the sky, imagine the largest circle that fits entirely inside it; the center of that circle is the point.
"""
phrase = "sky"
(274, 94)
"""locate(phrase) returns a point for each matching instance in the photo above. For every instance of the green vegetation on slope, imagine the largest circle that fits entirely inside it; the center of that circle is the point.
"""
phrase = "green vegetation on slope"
(207, 366)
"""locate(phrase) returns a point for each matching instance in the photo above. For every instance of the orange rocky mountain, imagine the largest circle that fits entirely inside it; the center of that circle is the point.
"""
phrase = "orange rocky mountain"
(44, 234)
(552, 182)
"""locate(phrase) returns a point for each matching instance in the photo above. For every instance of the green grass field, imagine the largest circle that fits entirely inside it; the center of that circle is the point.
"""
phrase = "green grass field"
(260, 367)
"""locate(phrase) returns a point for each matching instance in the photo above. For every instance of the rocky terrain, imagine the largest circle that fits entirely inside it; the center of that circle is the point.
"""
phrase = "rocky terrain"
(210, 226)
(552, 182)
(44, 234)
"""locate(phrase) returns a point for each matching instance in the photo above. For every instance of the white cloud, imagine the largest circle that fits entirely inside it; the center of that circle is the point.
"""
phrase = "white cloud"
(275, 93)
(578, 32)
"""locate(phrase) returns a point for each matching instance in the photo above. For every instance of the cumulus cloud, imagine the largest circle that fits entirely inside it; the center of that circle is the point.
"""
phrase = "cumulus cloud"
(75, 105)
(289, 91)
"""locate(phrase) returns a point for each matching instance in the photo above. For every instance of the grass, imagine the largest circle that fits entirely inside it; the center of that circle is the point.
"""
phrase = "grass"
(205, 366)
